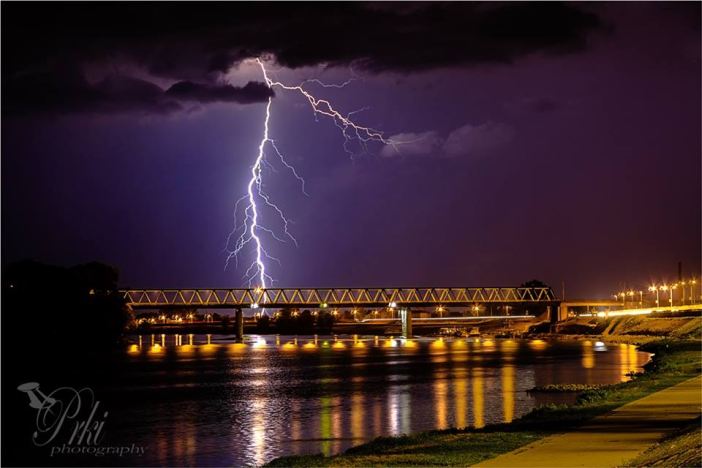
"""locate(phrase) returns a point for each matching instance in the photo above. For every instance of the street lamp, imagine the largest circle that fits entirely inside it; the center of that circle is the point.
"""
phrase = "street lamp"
(669, 290)
(693, 281)
(682, 285)
(640, 298)
(655, 288)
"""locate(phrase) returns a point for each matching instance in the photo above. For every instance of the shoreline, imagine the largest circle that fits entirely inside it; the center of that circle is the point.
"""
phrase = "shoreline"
(672, 361)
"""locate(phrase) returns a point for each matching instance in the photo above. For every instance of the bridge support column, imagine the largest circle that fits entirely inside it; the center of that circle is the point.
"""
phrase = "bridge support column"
(239, 319)
(406, 317)
(556, 312)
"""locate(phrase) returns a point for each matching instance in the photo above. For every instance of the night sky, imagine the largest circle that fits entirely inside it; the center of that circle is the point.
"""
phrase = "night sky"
(550, 141)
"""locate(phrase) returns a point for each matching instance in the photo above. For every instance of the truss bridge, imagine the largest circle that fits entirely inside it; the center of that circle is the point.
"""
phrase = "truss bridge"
(333, 297)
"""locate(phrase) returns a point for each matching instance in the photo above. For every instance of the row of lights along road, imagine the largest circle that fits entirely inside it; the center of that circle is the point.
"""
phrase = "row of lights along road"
(684, 297)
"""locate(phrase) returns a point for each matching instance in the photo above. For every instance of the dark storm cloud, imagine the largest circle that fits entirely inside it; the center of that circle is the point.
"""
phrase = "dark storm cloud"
(203, 92)
(198, 42)
(63, 92)
(65, 89)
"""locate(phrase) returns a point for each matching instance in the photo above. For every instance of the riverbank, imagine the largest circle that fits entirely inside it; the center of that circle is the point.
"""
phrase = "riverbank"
(631, 329)
(618, 436)
(674, 361)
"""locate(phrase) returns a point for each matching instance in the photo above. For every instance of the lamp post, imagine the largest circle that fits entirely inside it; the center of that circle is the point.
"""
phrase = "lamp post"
(669, 290)
(652, 289)
(640, 299)
(692, 283)
(682, 287)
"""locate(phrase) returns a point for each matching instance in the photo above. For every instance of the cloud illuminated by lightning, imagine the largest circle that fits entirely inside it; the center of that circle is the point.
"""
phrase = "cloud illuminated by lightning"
(251, 230)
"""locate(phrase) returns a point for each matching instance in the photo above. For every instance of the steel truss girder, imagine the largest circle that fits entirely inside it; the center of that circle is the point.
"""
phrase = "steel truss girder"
(332, 297)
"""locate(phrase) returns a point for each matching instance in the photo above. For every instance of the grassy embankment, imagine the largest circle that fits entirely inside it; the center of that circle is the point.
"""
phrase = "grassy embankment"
(684, 448)
(634, 329)
(675, 360)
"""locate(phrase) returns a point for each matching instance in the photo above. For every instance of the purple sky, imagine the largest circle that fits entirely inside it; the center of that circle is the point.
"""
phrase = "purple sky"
(581, 166)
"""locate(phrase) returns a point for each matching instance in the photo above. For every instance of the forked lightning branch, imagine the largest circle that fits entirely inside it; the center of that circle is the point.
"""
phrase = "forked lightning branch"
(251, 233)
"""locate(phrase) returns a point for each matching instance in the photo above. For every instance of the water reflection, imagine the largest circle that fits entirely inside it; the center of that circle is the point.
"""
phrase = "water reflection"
(509, 348)
(295, 425)
(628, 360)
(226, 403)
(325, 432)
(258, 431)
(441, 399)
(478, 404)
(508, 392)
(537, 345)
(461, 395)
(460, 385)
(357, 416)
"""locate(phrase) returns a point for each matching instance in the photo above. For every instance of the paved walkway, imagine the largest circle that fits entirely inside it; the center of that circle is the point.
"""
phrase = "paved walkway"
(612, 439)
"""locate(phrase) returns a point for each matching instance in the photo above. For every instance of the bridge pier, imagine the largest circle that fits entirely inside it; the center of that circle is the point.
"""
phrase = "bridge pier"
(406, 317)
(556, 312)
(239, 319)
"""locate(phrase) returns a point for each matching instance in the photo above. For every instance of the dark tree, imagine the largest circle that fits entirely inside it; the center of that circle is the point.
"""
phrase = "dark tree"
(534, 284)
(74, 311)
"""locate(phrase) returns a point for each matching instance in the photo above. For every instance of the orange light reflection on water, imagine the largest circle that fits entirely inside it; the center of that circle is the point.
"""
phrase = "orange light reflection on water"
(460, 392)
(460, 389)
(238, 347)
(508, 392)
(478, 401)
(440, 385)
(290, 346)
(538, 345)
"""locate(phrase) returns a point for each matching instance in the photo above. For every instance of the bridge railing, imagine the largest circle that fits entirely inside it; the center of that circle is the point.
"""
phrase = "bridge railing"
(332, 297)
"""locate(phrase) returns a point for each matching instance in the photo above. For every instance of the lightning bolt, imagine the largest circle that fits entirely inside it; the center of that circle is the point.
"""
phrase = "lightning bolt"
(251, 229)
(350, 130)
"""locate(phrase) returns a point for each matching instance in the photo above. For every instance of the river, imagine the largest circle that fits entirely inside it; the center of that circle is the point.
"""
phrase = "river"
(206, 400)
